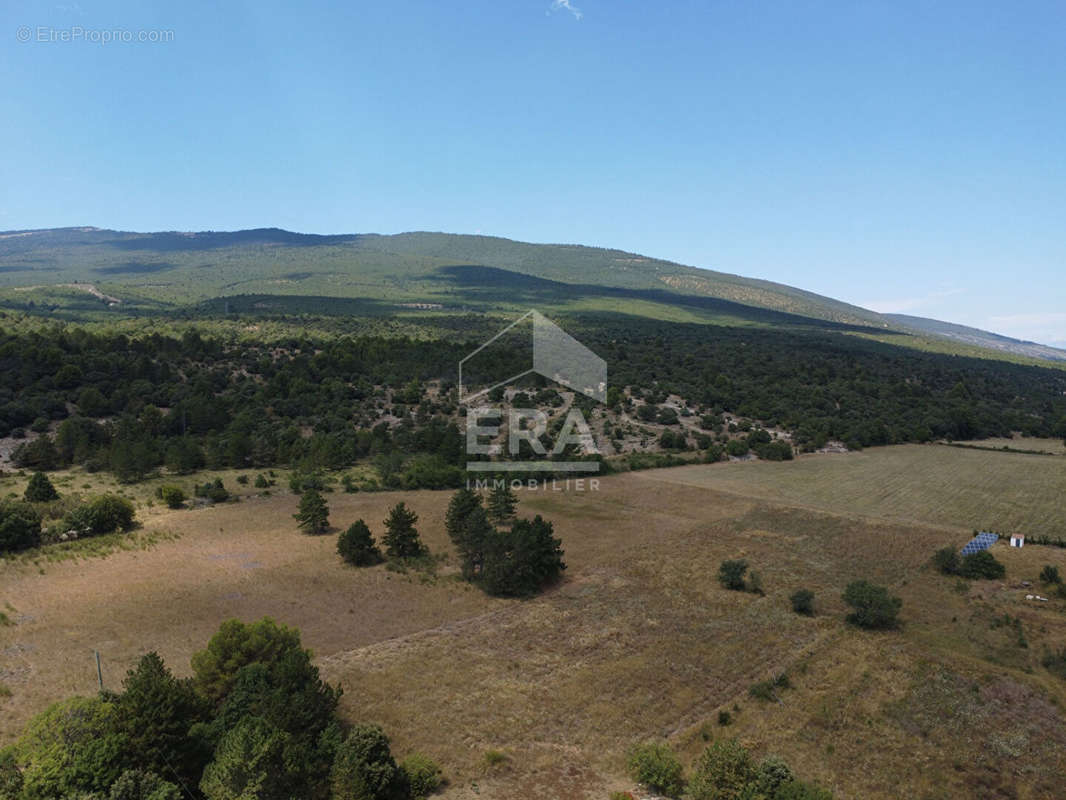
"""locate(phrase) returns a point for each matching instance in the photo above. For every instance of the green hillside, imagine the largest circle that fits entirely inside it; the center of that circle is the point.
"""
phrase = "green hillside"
(176, 269)
(418, 283)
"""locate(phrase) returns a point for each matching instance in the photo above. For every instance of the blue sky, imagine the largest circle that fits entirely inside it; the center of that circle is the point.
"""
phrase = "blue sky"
(904, 156)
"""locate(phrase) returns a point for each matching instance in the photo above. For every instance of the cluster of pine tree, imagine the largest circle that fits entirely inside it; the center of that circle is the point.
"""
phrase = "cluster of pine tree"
(504, 555)
(357, 546)
(254, 721)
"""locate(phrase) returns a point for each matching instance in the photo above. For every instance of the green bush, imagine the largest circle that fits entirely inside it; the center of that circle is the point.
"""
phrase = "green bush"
(803, 602)
(20, 526)
(874, 608)
(725, 771)
(173, 496)
(109, 513)
(771, 774)
(213, 491)
(424, 775)
(981, 564)
(656, 766)
(1050, 574)
(357, 547)
(10, 775)
(364, 769)
(300, 482)
(430, 471)
(737, 447)
(947, 561)
(777, 450)
(493, 758)
(667, 416)
(40, 489)
(1055, 662)
(104, 514)
(767, 690)
(731, 574)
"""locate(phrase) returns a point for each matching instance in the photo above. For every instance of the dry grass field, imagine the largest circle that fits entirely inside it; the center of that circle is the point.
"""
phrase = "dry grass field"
(931, 484)
(638, 641)
(1055, 447)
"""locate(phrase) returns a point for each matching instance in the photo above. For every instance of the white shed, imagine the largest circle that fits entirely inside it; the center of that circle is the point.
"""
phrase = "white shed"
(1017, 540)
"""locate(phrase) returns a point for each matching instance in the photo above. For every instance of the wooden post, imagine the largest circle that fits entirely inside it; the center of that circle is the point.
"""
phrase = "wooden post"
(99, 672)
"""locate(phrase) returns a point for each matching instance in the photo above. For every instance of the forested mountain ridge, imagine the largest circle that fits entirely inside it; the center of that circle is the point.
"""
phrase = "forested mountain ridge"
(177, 267)
(72, 273)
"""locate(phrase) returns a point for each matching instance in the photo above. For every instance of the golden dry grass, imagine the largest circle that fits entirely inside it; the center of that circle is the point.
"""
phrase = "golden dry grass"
(1055, 447)
(931, 484)
(638, 640)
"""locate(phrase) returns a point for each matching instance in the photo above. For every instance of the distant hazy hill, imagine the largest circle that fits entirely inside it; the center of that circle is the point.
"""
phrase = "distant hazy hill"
(978, 338)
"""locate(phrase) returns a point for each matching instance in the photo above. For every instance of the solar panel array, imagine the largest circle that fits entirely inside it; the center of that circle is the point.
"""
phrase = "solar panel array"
(980, 542)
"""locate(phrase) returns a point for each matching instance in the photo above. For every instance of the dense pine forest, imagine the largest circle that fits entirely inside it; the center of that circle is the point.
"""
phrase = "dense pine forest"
(198, 397)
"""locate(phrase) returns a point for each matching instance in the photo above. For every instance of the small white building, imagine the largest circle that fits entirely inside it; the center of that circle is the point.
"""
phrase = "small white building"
(1017, 540)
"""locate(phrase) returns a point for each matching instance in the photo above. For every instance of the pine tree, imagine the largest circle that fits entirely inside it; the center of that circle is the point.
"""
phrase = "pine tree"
(401, 538)
(313, 515)
(357, 546)
(520, 561)
(502, 503)
(40, 489)
(468, 527)
(477, 535)
(461, 505)
(155, 712)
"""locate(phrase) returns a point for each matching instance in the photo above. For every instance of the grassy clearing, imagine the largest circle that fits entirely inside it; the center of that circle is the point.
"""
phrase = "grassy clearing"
(1054, 447)
(639, 641)
(91, 547)
(929, 484)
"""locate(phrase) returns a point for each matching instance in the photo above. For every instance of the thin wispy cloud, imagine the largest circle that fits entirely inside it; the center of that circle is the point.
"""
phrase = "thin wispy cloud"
(566, 5)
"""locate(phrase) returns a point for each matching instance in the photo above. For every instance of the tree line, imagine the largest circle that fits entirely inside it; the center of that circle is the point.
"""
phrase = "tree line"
(132, 405)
